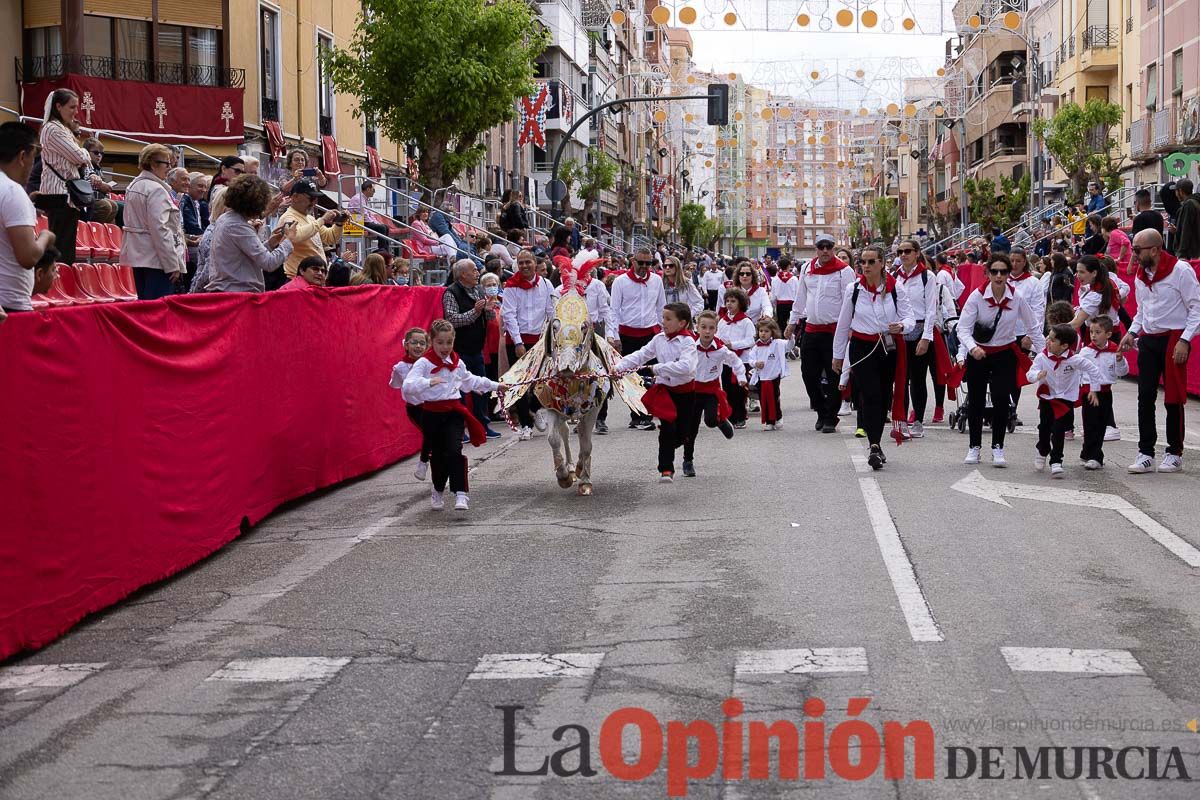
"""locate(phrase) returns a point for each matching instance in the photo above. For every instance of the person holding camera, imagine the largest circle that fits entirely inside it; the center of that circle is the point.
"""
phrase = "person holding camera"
(238, 256)
(311, 236)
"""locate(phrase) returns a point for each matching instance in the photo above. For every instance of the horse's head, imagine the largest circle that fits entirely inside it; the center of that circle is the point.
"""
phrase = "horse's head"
(570, 340)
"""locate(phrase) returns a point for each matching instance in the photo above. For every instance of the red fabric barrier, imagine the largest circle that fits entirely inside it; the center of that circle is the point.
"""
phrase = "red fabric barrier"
(139, 435)
(1193, 367)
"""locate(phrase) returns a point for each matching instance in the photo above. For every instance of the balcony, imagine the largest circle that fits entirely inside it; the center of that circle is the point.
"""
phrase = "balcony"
(1166, 129)
(1139, 140)
(1099, 48)
(1097, 37)
(56, 67)
(565, 107)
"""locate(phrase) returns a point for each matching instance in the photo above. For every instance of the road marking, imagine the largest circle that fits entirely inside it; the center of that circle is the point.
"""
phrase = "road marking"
(1065, 659)
(900, 569)
(801, 662)
(499, 666)
(857, 457)
(47, 676)
(279, 670)
(995, 491)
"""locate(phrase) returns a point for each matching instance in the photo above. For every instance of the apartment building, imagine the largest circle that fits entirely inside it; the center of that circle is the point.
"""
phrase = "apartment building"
(1169, 96)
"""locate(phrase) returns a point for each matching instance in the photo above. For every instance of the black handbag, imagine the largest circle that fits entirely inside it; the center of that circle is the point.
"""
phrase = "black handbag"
(79, 190)
(984, 333)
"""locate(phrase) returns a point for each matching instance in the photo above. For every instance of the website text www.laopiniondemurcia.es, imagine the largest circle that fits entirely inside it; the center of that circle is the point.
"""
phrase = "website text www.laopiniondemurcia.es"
(852, 750)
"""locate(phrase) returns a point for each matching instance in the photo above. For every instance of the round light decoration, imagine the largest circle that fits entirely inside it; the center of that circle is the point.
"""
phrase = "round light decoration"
(974, 21)
(687, 15)
(869, 19)
(908, 24)
(720, 143)
(939, 110)
(691, 79)
(941, 72)
(739, 116)
(845, 18)
(660, 115)
(910, 110)
(803, 20)
(768, 113)
(785, 113)
(860, 74)
(814, 74)
(661, 15)
(730, 18)
(892, 109)
(862, 112)
(1012, 20)
(708, 163)
(733, 76)
(904, 137)
(688, 117)
(618, 17)
(811, 140)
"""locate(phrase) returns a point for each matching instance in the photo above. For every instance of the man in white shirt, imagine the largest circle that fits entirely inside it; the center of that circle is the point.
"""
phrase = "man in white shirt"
(638, 298)
(21, 247)
(589, 252)
(527, 302)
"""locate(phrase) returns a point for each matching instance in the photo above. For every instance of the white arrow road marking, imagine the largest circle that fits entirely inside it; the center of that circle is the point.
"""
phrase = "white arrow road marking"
(995, 491)
(1065, 659)
(900, 569)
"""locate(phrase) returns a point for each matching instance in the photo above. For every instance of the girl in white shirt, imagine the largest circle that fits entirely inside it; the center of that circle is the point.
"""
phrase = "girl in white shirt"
(437, 382)
(737, 331)
(416, 342)
(768, 360)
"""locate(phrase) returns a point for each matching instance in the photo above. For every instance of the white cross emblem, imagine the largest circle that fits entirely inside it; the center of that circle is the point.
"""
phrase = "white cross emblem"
(227, 114)
(160, 111)
(87, 105)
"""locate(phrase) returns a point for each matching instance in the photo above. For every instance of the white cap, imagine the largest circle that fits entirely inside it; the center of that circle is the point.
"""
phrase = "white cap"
(824, 237)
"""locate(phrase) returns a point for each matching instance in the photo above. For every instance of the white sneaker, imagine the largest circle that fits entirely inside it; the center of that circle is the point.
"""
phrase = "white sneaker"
(998, 457)
(845, 410)
(779, 425)
(918, 431)
(1039, 462)
(437, 500)
(1112, 434)
(422, 470)
(1142, 464)
(768, 426)
(972, 456)
(905, 432)
(1056, 470)
(1092, 464)
(540, 421)
(524, 434)
(461, 501)
(1171, 463)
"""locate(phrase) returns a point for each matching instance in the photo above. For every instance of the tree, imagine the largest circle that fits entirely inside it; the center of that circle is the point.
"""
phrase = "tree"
(691, 224)
(1079, 139)
(885, 216)
(439, 73)
(598, 174)
(997, 209)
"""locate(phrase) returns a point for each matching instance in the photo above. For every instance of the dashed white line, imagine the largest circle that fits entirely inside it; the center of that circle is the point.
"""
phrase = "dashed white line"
(856, 456)
(1065, 659)
(500, 666)
(801, 661)
(47, 676)
(279, 670)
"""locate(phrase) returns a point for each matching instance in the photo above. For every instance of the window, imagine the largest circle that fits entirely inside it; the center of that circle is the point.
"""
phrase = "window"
(169, 68)
(204, 56)
(97, 36)
(269, 64)
(1152, 86)
(1177, 72)
(324, 85)
(133, 40)
(43, 51)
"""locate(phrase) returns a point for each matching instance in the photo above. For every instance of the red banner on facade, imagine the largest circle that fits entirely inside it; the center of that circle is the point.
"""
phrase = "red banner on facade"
(161, 112)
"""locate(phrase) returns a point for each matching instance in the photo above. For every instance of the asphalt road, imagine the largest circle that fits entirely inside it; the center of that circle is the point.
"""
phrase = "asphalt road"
(358, 644)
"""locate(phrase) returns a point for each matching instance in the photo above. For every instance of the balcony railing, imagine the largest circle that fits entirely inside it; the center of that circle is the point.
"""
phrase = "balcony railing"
(1019, 92)
(1070, 46)
(1166, 128)
(1097, 37)
(51, 67)
(1139, 139)
(1003, 151)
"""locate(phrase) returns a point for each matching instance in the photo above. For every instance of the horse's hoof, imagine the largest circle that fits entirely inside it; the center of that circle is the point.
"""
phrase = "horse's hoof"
(568, 481)
(585, 490)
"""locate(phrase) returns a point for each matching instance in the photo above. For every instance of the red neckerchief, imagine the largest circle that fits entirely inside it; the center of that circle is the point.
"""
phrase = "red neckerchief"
(682, 332)
(634, 277)
(410, 360)
(1003, 305)
(1055, 359)
(835, 265)
(889, 285)
(1111, 347)
(752, 291)
(1166, 265)
(438, 363)
(717, 344)
(723, 315)
(761, 343)
(518, 281)
(785, 276)
(1022, 276)
(908, 276)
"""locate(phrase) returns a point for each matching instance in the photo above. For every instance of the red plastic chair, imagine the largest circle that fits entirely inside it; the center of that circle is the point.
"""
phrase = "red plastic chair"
(41, 224)
(56, 295)
(102, 249)
(68, 282)
(115, 237)
(40, 302)
(89, 282)
(110, 281)
(84, 246)
(125, 275)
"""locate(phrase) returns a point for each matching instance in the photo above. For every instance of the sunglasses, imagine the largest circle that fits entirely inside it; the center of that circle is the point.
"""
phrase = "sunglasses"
(905, 251)
(825, 246)
(643, 263)
(316, 269)
(745, 274)
(162, 163)
(999, 271)
(869, 261)
(1148, 247)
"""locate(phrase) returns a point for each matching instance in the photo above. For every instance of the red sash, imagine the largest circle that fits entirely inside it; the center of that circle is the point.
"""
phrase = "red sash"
(767, 403)
(813, 327)
(943, 373)
(713, 387)
(1174, 375)
(526, 338)
(632, 332)
(475, 428)
(899, 378)
(659, 403)
(1060, 407)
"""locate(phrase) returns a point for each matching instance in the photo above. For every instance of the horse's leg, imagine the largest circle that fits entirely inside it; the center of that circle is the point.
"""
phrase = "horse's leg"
(564, 430)
(555, 438)
(584, 468)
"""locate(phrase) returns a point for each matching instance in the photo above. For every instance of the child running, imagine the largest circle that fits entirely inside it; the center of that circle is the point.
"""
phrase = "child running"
(768, 358)
(671, 397)
(1102, 352)
(712, 356)
(1058, 376)
(736, 330)
(416, 342)
(437, 382)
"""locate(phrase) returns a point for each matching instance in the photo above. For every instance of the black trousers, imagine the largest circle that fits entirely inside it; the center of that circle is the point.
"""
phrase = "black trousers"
(443, 435)
(1153, 360)
(528, 405)
(1052, 432)
(631, 344)
(703, 406)
(820, 381)
(61, 218)
(1095, 420)
(997, 371)
(783, 310)
(414, 415)
(736, 394)
(920, 369)
(873, 373)
(710, 300)
(673, 434)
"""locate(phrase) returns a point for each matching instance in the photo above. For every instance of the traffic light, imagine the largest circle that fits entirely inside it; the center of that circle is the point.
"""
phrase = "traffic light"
(718, 104)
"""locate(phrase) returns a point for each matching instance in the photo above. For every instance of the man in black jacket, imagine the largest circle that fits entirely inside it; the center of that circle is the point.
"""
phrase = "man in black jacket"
(1187, 225)
(465, 307)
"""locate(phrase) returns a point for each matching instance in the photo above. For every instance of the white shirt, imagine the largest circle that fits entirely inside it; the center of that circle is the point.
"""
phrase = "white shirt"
(16, 211)
(637, 305)
(525, 311)
(709, 362)
(1029, 289)
(600, 307)
(1171, 304)
(949, 279)
(676, 356)
(819, 297)
(712, 280)
(760, 304)
(773, 356)
(922, 290)
(785, 291)
(417, 389)
(1064, 378)
(1016, 320)
(1089, 301)
(872, 315)
(400, 371)
(1109, 362)
(738, 335)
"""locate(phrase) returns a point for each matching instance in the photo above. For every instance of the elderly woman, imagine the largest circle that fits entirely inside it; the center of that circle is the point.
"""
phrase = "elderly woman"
(153, 243)
(62, 160)
(297, 168)
(204, 248)
(239, 257)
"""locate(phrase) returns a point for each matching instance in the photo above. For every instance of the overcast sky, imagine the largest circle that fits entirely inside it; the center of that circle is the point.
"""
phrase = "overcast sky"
(727, 50)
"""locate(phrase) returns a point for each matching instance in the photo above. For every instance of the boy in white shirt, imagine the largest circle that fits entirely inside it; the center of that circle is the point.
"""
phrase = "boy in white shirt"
(1058, 376)
(1111, 364)
(710, 401)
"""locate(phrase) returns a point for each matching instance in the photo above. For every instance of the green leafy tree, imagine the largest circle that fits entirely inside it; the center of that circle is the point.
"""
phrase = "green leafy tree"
(997, 208)
(691, 224)
(598, 175)
(1079, 138)
(885, 218)
(439, 73)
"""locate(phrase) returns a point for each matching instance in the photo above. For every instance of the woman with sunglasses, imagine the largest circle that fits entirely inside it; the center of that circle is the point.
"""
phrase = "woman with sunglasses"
(678, 288)
(153, 242)
(995, 326)
(871, 324)
(745, 277)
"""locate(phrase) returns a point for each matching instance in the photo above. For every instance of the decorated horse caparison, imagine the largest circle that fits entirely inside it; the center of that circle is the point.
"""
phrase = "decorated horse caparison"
(568, 371)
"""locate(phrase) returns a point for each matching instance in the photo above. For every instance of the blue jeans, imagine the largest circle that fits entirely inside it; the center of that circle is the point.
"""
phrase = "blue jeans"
(475, 365)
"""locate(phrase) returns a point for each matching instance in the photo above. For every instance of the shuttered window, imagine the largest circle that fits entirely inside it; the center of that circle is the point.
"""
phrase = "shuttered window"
(199, 13)
(39, 13)
(141, 9)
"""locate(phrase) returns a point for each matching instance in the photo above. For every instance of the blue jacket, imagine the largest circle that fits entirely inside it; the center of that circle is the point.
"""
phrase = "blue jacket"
(195, 215)
(1096, 204)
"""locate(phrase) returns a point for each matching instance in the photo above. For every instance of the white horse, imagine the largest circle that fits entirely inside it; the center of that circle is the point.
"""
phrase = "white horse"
(570, 366)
